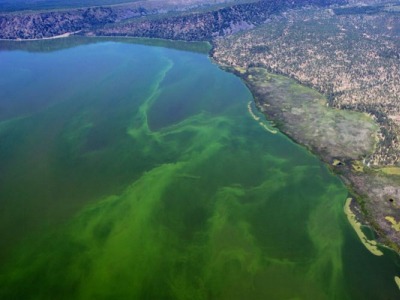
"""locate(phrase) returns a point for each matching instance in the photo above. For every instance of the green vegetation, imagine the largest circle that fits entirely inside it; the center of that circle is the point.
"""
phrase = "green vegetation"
(350, 57)
(307, 118)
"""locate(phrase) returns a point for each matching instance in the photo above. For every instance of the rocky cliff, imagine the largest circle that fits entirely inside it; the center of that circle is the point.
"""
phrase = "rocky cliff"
(117, 21)
(53, 23)
(207, 25)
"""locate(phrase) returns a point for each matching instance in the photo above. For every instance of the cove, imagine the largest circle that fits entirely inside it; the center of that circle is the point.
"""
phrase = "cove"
(133, 171)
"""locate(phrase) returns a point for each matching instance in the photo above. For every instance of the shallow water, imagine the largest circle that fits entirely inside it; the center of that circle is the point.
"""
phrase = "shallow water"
(137, 172)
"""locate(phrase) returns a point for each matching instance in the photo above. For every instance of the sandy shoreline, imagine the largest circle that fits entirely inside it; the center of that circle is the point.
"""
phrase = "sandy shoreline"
(61, 36)
(258, 119)
(371, 245)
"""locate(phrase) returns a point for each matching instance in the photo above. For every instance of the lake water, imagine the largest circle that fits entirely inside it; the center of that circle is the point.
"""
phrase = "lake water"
(131, 171)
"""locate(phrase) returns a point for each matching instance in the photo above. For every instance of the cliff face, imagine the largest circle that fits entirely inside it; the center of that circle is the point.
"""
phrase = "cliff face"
(186, 26)
(207, 25)
(48, 24)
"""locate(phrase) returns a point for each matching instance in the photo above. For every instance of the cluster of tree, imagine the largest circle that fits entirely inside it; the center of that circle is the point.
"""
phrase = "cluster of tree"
(356, 10)
(52, 23)
(207, 25)
(184, 26)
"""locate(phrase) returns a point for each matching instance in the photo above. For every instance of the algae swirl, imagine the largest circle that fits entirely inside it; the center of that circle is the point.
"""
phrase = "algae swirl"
(141, 175)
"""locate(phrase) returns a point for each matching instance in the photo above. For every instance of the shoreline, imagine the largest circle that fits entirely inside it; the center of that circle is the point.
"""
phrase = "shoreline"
(61, 36)
(355, 177)
(195, 46)
(258, 119)
(65, 35)
(370, 245)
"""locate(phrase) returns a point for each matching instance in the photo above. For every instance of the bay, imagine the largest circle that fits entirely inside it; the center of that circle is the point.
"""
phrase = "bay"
(131, 171)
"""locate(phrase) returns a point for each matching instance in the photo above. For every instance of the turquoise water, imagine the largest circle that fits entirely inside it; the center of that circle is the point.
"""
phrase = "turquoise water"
(136, 172)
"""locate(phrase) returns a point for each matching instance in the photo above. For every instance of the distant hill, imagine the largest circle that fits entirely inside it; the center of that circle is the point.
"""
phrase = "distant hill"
(168, 19)
(18, 5)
